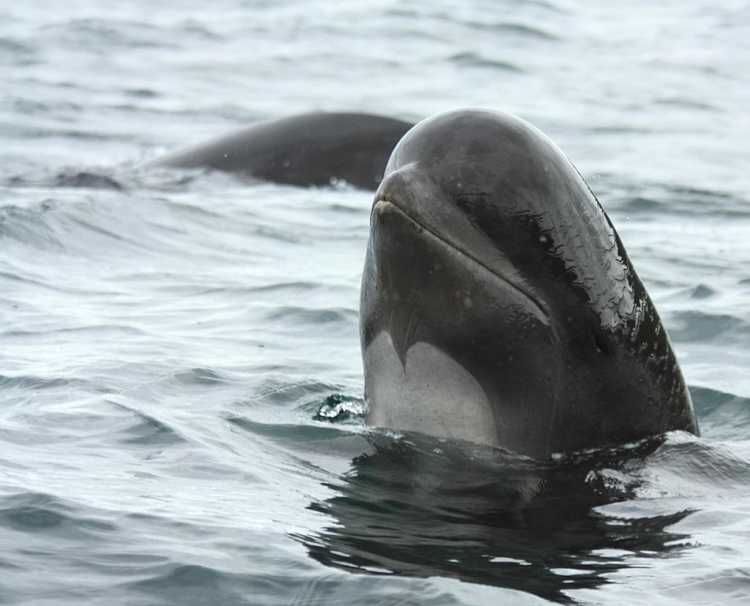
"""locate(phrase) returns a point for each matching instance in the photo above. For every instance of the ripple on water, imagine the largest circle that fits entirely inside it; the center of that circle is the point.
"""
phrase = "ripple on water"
(301, 414)
(17, 52)
(87, 180)
(702, 291)
(46, 514)
(33, 382)
(699, 326)
(200, 376)
(699, 292)
(69, 178)
(290, 433)
(518, 30)
(305, 315)
(686, 466)
(723, 416)
(189, 583)
(186, 583)
(30, 227)
(478, 60)
(96, 34)
(278, 392)
(148, 430)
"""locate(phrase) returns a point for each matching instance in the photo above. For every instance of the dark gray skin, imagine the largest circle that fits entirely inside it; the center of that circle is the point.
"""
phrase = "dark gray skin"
(498, 304)
(307, 149)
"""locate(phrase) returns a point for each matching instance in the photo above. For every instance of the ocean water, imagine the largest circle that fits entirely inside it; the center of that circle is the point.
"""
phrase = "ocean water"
(181, 413)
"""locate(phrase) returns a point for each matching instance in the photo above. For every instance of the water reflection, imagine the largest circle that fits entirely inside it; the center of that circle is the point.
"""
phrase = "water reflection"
(423, 508)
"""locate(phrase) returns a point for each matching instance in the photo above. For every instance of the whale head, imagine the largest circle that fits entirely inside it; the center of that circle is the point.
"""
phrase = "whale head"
(498, 303)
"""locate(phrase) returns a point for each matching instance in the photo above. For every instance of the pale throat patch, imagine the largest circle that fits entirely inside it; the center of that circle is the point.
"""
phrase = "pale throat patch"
(431, 393)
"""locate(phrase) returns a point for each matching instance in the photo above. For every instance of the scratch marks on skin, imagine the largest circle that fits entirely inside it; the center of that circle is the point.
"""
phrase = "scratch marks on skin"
(593, 255)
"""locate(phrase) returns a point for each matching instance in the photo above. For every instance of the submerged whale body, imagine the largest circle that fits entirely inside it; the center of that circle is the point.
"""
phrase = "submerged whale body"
(309, 149)
(498, 304)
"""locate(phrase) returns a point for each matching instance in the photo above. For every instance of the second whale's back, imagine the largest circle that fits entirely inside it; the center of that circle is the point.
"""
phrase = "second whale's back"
(308, 149)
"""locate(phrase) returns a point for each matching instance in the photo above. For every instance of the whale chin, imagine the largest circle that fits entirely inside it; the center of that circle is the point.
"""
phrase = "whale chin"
(428, 392)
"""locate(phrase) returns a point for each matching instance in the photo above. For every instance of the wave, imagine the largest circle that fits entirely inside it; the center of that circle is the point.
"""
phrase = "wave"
(472, 59)
(44, 513)
(520, 30)
(704, 327)
(722, 415)
(305, 315)
(147, 430)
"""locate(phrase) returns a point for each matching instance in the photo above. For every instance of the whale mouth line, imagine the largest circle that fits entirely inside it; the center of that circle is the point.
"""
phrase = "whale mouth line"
(386, 202)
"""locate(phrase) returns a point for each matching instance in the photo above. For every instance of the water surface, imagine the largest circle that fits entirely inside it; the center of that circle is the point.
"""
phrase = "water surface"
(180, 381)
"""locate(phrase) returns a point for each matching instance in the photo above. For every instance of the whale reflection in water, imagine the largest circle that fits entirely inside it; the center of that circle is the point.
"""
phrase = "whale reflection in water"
(423, 507)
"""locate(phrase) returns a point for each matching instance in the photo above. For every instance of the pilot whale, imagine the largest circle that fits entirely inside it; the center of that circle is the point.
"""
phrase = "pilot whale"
(498, 304)
(315, 148)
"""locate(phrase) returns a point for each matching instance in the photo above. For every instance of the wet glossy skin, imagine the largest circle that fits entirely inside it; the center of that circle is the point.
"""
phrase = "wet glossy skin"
(498, 303)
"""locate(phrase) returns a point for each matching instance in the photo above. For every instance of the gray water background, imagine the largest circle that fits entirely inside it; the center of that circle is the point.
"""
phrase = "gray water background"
(180, 380)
